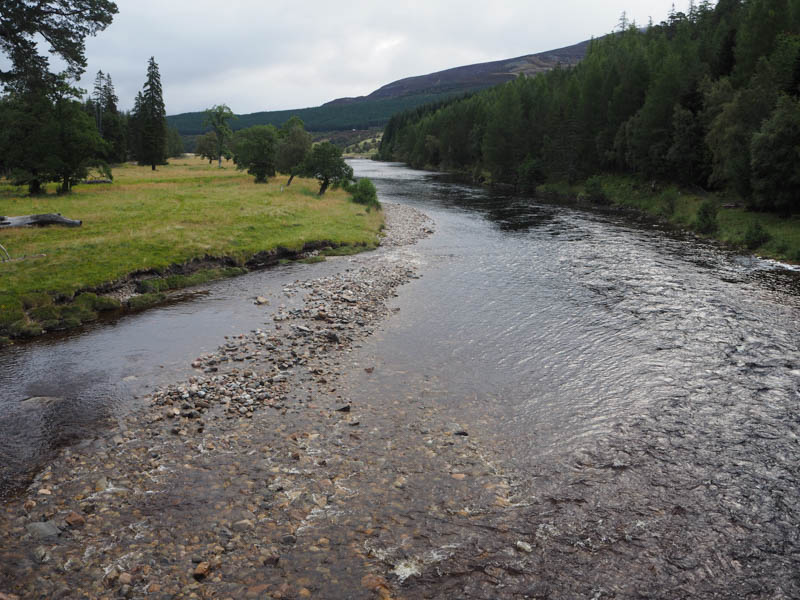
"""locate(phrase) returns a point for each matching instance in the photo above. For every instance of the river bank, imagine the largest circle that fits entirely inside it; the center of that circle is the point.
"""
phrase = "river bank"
(153, 231)
(766, 235)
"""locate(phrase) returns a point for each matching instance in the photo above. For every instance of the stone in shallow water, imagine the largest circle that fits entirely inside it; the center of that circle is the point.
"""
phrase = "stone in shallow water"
(43, 529)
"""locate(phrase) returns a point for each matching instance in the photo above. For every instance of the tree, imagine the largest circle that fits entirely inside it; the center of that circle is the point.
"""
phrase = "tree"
(217, 118)
(152, 120)
(78, 144)
(207, 146)
(326, 164)
(254, 149)
(775, 159)
(27, 129)
(174, 143)
(502, 147)
(294, 142)
(110, 123)
(63, 24)
(47, 139)
(135, 122)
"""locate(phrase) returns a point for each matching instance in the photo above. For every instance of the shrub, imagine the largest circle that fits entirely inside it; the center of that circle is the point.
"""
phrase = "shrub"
(755, 236)
(44, 313)
(24, 329)
(79, 311)
(669, 197)
(593, 191)
(364, 192)
(706, 221)
(145, 300)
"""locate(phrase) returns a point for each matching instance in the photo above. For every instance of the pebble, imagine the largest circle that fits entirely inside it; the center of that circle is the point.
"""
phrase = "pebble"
(144, 538)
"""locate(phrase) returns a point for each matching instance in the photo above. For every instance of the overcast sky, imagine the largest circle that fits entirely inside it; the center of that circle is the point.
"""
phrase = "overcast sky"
(258, 55)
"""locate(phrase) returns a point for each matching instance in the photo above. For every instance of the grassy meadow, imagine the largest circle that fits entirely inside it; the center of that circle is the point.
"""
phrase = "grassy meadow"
(151, 220)
(764, 234)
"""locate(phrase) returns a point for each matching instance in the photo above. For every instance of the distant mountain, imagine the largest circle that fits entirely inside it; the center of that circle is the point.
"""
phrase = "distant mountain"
(475, 77)
(375, 109)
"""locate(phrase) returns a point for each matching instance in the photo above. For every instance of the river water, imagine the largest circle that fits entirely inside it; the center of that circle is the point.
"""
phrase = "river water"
(642, 385)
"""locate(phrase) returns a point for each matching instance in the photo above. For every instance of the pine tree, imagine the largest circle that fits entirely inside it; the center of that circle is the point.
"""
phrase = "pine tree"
(97, 97)
(135, 123)
(152, 120)
(110, 98)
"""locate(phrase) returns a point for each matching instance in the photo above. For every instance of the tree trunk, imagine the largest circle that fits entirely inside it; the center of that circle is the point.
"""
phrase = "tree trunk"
(43, 219)
(288, 183)
(35, 187)
(153, 166)
(324, 186)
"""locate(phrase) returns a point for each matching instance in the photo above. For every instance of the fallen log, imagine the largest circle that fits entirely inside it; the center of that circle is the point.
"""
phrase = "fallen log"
(41, 220)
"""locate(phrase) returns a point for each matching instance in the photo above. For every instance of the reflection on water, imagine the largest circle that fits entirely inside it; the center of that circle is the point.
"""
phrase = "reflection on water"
(98, 371)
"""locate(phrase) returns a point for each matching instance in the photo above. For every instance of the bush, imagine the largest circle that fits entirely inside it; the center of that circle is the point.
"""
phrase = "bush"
(364, 192)
(706, 222)
(593, 191)
(79, 311)
(755, 236)
(669, 198)
(24, 329)
(145, 300)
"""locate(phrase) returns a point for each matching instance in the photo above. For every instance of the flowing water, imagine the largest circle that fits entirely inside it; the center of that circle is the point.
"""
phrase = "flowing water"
(63, 389)
(643, 385)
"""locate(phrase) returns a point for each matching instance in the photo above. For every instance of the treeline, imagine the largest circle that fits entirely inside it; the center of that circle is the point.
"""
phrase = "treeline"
(706, 98)
(48, 134)
(264, 151)
(334, 116)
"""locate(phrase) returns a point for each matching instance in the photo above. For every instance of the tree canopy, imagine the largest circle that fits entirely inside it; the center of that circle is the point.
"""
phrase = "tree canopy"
(254, 149)
(326, 164)
(63, 24)
(294, 144)
(217, 118)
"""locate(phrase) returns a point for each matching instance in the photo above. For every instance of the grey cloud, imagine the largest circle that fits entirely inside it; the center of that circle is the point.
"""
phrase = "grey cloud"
(275, 55)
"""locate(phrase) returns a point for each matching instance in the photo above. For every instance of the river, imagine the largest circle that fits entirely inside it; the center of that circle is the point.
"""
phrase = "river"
(643, 385)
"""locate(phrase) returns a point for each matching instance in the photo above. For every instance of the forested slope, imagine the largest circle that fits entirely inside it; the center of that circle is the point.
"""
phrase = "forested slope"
(377, 108)
(706, 98)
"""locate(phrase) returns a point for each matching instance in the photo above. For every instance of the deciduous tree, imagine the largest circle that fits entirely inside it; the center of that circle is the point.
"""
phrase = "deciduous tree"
(294, 142)
(217, 118)
(254, 149)
(326, 164)
(207, 146)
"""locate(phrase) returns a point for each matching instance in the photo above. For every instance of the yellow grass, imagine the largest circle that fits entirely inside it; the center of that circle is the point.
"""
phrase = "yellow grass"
(152, 219)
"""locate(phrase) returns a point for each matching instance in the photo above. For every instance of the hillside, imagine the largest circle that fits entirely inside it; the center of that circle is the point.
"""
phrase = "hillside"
(375, 109)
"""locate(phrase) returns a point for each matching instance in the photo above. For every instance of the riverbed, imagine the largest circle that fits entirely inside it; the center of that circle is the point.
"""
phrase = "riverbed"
(560, 404)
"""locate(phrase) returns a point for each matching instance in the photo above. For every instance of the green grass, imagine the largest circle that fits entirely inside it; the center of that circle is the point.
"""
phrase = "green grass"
(175, 282)
(764, 234)
(152, 220)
